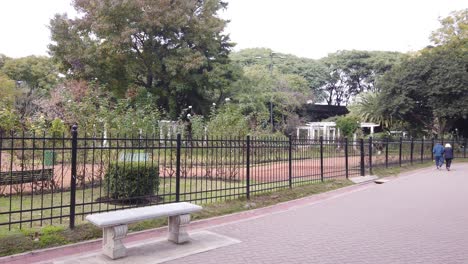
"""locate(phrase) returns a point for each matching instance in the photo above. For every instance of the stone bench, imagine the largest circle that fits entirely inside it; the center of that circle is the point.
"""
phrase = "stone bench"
(115, 223)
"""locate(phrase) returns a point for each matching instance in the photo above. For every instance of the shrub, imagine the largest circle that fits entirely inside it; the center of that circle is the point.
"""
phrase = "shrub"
(57, 128)
(127, 180)
(347, 124)
(228, 122)
(381, 136)
(10, 120)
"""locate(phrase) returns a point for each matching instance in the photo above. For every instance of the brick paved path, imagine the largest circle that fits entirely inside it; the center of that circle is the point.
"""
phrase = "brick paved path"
(422, 218)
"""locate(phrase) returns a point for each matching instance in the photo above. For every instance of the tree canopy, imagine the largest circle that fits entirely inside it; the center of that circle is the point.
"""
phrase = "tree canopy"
(313, 71)
(176, 49)
(32, 71)
(453, 28)
(429, 91)
(352, 72)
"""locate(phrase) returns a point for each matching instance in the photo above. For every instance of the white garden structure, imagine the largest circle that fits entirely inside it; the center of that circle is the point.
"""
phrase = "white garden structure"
(327, 130)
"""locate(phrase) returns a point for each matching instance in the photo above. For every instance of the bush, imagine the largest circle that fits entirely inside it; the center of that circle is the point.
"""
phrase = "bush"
(347, 124)
(127, 180)
(228, 122)
(382, 136)
(10, 120)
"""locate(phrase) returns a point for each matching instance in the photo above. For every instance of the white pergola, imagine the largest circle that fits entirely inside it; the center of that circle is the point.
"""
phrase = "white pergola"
(328, 130)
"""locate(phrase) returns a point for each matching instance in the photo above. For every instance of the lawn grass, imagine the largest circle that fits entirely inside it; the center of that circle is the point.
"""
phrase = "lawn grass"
(201, 190)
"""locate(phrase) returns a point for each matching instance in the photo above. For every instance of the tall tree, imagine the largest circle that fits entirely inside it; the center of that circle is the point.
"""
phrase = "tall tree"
(260, 88)
(313, 71)
(7, 90)
(3, 59)
(428, 91)
(37, 73)
(453, 28)
(353, 72)
(176, 49)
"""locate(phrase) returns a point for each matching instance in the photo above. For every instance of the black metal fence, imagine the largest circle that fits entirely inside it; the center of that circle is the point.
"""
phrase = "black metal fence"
(50, 180)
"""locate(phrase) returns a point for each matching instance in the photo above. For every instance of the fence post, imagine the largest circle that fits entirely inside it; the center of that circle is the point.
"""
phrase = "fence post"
(178, 147)
(386, 152)
(290, 161)
(432, 147)
(248, 167)
(453, 147)
(361, 143)
(346, 157)
(321, 158)
(370, 155)
(411, 150)
(464, 148)
(74, 133)
(422, 150)
(400, 151)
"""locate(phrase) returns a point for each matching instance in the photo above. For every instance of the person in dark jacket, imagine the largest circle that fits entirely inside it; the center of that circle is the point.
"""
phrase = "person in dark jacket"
(448, 153)
(438, 151)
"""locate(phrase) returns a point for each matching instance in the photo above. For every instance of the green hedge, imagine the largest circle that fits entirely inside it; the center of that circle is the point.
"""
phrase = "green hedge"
(126, 180)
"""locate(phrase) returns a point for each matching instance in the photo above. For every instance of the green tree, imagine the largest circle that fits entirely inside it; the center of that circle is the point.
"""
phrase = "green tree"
(9, 119)
(353, 72)
(261, 87)
(175, 49)
(369, 107)
(313, 71)
(453, 28)
(428, 91)
(35, 73)
(7, 90)
(34, 78)
(3, 59)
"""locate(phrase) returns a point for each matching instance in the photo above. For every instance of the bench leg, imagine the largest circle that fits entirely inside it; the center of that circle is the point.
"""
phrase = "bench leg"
(178, 228)
(112, 241)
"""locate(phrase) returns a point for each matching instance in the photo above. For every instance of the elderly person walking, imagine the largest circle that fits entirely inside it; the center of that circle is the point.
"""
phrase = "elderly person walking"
(438, 151)
(448, 153)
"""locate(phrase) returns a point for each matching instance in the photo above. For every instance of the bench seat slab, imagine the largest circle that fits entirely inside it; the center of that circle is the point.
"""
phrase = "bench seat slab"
(133, 215)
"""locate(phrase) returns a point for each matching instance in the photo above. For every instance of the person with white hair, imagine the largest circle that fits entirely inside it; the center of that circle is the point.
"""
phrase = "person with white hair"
(448, 154)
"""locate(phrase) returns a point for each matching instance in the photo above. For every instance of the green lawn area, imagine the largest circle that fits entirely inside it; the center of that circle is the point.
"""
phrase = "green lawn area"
(198, 190)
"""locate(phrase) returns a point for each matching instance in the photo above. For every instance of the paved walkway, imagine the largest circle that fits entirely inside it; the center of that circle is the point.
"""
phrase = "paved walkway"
(421, 217)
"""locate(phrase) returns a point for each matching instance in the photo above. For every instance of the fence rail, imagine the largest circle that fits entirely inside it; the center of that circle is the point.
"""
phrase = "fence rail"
(87, 174)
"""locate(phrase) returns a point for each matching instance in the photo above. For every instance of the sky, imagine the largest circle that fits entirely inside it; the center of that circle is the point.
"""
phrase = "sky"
(305, 28)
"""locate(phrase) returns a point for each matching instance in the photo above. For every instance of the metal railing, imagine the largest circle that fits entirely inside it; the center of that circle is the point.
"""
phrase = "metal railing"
(86, 174)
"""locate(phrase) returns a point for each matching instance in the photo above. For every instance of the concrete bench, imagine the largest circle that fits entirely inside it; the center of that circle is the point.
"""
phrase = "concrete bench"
(115, 223)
